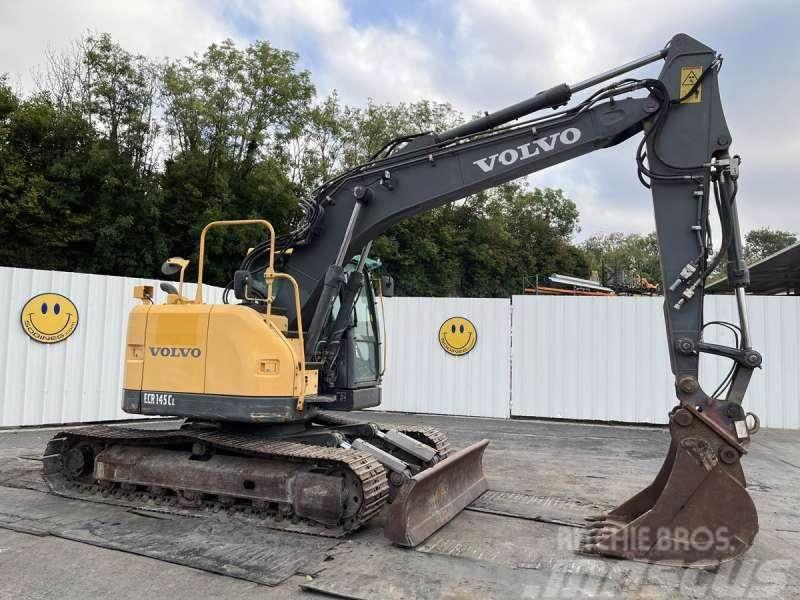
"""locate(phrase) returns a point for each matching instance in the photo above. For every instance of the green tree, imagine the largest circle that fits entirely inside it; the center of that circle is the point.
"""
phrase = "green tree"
(115, 90)
(762, 242)
(234, 105)
(68, 201)
(229, 115)
(119, 93)
(491, 244)
(522, 233)
(337, 137)
(76, 181)
(369, 129)
(45, 175)
(315, 153)
(620, 258)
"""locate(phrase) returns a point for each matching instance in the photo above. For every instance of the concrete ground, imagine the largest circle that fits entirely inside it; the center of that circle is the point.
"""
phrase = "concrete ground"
(563, 468)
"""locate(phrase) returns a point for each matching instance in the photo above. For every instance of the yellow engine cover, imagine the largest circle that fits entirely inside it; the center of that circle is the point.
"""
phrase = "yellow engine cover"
(216, 349)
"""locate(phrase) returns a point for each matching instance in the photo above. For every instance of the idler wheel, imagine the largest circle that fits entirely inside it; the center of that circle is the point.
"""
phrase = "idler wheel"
(78, 461)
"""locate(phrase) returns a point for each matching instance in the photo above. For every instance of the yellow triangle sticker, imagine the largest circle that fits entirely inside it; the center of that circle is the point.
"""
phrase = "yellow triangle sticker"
(690, 94)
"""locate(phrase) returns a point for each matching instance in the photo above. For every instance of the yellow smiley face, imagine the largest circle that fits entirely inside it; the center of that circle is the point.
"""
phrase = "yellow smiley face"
(457, 336)
(49, 318)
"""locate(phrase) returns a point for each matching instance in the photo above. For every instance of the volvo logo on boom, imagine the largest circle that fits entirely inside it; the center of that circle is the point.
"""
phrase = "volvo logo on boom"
(534, 148)
(175, 352)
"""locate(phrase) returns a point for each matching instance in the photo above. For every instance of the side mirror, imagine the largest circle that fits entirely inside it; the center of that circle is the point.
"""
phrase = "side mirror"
(241, 279)
(169, 268)
(174, 265)
(387, 286)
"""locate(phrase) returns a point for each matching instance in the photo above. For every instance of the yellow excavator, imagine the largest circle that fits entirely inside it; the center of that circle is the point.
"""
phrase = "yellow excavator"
(266, 379)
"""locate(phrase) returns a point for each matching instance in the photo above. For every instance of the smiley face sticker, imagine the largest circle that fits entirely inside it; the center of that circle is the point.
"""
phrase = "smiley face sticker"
(49, 318)
(457, 336)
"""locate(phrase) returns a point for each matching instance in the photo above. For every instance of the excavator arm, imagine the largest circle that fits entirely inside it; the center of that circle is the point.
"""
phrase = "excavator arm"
(683, 157)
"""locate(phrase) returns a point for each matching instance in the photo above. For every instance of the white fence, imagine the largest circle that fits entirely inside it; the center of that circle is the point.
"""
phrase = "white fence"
(557, 357)
(590, 358)
(79, 379)
(606, 359)
(421, 377)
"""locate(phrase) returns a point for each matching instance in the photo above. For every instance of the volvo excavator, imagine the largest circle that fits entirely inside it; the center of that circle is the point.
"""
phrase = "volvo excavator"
(265, 380)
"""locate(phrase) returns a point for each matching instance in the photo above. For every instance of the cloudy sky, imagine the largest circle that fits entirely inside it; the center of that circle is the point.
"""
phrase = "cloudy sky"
(483, 55)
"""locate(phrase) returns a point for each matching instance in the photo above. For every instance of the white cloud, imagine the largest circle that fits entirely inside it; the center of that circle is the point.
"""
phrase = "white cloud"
(389, 64)
(510, 49)
(153, 27)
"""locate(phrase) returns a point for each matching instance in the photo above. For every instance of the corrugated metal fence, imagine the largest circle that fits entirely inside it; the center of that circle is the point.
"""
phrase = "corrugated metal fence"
(79, 379)
(560, 357)
(421, 377)
(606, 359)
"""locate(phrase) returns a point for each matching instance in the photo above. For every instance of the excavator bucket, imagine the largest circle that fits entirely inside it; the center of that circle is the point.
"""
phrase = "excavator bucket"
(696, 513)
(432, 497)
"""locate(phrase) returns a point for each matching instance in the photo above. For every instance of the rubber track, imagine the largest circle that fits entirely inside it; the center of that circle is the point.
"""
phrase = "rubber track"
(370, 472)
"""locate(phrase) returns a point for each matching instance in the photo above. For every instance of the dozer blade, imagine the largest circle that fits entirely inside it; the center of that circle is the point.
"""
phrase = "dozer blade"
(696, 513)
(431, 498)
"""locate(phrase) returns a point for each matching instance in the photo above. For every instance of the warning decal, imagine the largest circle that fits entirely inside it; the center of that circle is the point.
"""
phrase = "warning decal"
(689, 77)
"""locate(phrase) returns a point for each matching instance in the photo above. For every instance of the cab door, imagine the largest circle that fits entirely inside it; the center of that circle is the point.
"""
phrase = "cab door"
(361, 343)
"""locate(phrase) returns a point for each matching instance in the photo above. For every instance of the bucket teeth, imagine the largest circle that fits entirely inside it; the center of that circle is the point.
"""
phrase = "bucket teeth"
(597, 535)
(599, 517)
(594, 534)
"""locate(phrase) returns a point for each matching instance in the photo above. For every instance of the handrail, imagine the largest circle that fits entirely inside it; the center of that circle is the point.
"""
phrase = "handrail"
(198, 296)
